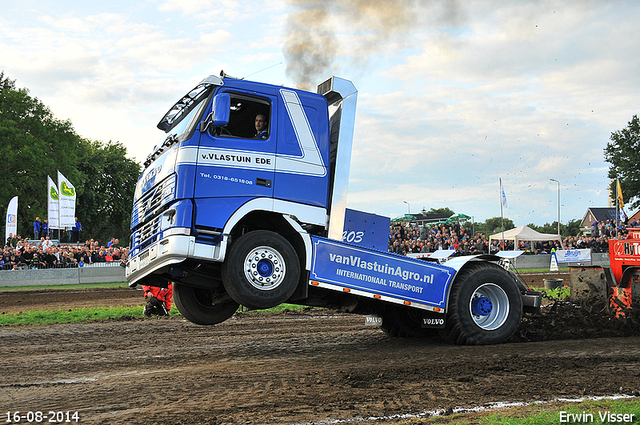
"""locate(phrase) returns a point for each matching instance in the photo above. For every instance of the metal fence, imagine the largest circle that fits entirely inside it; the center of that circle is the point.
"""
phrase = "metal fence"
(24, 266)
(88, 274)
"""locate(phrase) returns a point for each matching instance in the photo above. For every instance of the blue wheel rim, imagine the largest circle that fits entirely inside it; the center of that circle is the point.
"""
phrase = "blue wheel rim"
(481, 306)
(489, 306)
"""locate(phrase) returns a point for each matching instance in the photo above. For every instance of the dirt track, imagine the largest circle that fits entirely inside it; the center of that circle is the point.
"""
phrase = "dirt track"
(287, 368)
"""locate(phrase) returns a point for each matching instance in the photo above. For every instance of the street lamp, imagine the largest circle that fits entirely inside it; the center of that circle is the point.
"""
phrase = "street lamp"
(408, 207)
(554, 180)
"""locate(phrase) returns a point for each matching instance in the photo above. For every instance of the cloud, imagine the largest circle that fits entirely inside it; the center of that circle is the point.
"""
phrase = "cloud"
(453, 95)
(203, 9)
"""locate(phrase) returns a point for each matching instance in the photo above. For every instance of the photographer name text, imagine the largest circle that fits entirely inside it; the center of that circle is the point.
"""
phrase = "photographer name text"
(600, 417)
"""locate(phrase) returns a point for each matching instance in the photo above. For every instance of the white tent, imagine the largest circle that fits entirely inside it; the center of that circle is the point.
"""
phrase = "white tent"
(524, 233)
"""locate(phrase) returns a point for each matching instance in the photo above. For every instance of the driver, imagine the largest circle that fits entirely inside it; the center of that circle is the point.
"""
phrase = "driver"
(261, 127)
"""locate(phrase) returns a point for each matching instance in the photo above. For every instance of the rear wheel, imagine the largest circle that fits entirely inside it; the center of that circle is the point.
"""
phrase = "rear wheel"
(485, 306)
(262, 270)
(200, 306)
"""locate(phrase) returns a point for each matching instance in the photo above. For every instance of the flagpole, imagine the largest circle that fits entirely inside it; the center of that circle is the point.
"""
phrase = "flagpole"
(617, 206)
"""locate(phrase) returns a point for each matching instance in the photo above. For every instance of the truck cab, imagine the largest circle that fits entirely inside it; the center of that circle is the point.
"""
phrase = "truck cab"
(211, 179)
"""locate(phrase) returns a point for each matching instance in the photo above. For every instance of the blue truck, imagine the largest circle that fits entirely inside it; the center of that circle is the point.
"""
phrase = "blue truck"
(243, 202)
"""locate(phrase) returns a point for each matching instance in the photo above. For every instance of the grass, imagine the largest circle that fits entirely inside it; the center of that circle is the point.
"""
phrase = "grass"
(541, 270)
(545, 414)
(75, 286)
(562, 293)
(93, 314)
(72, 315)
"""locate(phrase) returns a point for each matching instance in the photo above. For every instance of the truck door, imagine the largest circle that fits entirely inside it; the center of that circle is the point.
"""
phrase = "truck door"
(303, 149)
(233, 164)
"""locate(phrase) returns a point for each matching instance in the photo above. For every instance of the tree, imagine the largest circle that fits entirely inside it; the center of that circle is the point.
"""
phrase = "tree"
(33, 144)
(545, 228)
(572, 228)
(444, 210)
(623, 153)
(108, 179)
(494, 225)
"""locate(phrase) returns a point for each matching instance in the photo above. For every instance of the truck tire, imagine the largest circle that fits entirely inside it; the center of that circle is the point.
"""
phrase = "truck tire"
(405, 323)
(485, 306)
(262, 270)
(197, 305)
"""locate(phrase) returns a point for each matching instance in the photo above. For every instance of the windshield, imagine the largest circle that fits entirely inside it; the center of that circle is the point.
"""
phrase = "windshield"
(188, 103)
(185, 126)
(181, 120)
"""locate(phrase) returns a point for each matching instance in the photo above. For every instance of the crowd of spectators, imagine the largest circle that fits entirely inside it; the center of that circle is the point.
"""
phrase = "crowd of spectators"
(405, 238)
(21, 253)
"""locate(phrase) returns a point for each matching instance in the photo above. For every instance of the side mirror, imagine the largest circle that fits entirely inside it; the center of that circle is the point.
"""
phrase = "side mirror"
(221, 109)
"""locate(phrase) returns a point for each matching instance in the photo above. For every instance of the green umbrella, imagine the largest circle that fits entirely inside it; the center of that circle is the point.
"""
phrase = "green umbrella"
(403, 218)
(458, 217)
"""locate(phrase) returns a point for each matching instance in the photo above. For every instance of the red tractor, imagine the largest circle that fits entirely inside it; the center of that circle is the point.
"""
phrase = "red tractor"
(623, 278)
(616, 286)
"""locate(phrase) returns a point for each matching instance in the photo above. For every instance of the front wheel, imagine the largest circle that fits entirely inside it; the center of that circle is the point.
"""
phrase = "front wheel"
(262, 270)
(485, 306)
(201, 306)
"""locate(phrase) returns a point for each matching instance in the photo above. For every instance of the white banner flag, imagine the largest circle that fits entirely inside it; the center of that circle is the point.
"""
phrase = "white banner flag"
(11, 224)
(67, 202)
(53, 205)
(503, 196)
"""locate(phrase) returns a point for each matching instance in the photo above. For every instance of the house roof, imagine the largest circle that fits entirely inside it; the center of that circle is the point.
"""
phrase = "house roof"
(598, 214)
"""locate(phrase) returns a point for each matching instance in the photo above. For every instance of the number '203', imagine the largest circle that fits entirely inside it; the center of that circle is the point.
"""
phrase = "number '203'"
(352, 236)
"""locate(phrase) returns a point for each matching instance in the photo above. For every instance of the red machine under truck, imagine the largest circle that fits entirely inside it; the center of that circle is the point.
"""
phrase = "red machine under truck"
(623, 278)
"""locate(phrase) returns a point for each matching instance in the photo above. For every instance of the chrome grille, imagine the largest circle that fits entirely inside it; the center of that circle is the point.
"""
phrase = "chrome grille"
(160, 195)
(145, 236)
(148, 231)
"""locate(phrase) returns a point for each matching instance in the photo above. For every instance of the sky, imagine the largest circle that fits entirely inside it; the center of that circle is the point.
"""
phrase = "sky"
(452, 95)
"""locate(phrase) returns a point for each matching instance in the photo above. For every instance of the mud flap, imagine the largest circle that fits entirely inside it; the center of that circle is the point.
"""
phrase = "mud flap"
(433, 321)
(373, 320)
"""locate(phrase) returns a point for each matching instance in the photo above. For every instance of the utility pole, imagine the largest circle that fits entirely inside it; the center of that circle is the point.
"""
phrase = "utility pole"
(554, 180)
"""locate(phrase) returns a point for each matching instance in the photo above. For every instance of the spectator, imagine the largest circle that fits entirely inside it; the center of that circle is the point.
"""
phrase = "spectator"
(77, 228)
(27, 254)
(12, 240)
(37, 229)
(46, 243)
(99, 257)
(50, 259)
(35, 262)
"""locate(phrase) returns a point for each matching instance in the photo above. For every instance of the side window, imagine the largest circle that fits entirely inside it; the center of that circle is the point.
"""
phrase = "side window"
(250, 118)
